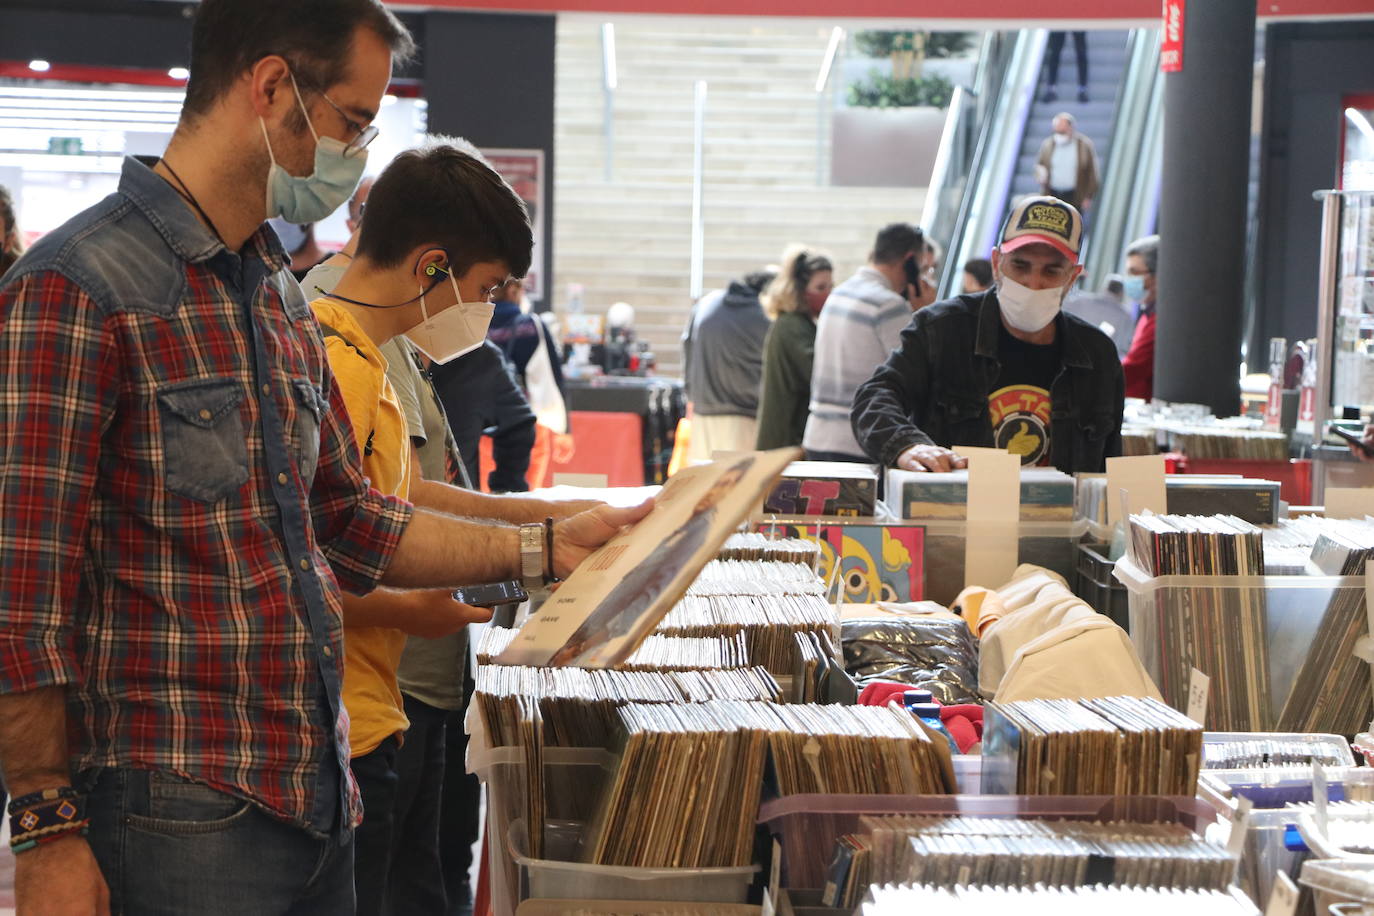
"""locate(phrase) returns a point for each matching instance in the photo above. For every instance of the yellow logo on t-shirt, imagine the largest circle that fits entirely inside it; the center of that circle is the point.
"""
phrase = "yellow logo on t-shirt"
(1021, 422)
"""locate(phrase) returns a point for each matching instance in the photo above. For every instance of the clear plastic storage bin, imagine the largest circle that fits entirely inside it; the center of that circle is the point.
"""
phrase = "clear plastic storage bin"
(1053, 545)
(1341, 886)
(573, 782)
(552, 878)
(807, 826)
(1181, 622)
(1330, 750)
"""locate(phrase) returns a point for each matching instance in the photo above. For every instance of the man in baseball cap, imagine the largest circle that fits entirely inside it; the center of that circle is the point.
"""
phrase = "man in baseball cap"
(1006, 368)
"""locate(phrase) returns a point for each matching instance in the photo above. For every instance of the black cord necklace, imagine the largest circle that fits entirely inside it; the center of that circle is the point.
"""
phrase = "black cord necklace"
(185, 192)
(373, 305)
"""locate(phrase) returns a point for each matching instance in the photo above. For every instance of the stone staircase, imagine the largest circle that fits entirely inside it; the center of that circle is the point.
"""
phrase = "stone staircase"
(630, 238)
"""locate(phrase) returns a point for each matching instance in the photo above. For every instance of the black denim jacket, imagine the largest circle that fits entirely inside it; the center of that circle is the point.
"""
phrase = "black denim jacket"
(934, 389)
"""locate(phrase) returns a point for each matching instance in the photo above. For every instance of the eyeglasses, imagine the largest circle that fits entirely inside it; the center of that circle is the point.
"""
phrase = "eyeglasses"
(363, 133)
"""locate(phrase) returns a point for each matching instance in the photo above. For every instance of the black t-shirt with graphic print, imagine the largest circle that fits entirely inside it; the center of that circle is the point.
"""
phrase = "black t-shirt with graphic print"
(1019, 405)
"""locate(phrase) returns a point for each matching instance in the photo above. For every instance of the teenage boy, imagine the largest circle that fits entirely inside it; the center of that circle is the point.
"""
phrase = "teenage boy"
(443, 232)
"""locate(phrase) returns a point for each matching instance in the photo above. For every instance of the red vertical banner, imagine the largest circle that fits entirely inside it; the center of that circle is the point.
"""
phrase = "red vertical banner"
(1171, 43)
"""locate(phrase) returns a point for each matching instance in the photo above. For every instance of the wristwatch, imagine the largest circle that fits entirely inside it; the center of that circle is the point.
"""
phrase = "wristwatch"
(532, 560)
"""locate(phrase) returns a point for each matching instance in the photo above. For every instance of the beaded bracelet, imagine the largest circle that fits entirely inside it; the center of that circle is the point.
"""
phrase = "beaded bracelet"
(46, 816)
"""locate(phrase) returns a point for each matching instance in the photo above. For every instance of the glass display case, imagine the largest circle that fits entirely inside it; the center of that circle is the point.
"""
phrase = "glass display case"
(1345, 326)
(1345, 336)
(1352, 344)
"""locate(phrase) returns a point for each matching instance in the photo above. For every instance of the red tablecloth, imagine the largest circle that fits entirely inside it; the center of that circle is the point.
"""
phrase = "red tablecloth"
(609, 443)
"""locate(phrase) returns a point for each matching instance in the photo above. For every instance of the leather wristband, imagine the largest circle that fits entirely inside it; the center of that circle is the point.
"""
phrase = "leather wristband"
(549, 577)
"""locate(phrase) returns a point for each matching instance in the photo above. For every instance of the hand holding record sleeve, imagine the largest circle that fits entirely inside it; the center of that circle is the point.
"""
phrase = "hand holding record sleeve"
(619, 593)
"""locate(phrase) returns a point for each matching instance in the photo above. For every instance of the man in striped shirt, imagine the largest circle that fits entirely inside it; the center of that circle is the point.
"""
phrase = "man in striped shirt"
(860, 325)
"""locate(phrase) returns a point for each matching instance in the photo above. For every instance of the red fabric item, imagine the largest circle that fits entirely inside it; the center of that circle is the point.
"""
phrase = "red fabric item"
(880, 693)
(1138, 365)
(964, 724)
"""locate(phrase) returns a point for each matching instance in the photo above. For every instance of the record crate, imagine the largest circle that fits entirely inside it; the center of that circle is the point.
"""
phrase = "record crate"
(1252, 636)
(561, 877)
(1093, 582)
(573, 782)
(807, 826)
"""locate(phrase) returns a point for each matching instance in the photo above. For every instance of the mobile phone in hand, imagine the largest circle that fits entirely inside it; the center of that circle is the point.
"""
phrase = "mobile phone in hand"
(913, 272)
(491, 595)
(1353, 439)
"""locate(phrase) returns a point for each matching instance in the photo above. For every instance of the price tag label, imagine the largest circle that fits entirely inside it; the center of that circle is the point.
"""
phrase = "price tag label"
(1283, 899)
(1199, 685)
(1240, 826)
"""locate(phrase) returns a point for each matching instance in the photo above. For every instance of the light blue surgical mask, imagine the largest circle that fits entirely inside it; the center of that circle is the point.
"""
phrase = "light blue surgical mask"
(315, 196)
(1133, 285)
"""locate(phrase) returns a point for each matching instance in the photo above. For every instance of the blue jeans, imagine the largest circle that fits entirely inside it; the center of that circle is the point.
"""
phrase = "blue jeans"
(168, 846)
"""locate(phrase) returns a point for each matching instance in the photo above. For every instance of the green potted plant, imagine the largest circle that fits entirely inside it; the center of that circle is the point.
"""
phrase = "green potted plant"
(888, 133)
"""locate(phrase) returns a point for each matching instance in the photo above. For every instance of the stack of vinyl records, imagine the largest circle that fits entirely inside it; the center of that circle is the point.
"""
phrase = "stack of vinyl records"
(1112, 746)
(1219, 631)
(656, 653)
(764, 578)
(1331, 691)
(755, 545)
(1250, 499)
(686, 791)
(579, 706)
(687, 788)
(1223, 442)
(1248, 751)
(1011, 852)
(904, 900)
(768, 623)
(1196, 545)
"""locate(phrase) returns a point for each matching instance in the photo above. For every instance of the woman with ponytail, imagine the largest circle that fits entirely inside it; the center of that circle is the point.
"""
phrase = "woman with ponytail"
(792, 300)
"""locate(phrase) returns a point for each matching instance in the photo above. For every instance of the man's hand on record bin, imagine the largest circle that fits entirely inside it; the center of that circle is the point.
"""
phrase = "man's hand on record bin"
(930, 458)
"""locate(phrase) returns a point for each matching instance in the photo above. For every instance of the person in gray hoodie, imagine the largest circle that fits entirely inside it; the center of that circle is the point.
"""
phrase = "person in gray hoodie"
(722, 357)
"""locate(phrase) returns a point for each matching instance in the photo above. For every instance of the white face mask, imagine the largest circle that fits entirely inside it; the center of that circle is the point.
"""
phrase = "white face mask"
(456, 330)
(1061, 139)
(1028, 309)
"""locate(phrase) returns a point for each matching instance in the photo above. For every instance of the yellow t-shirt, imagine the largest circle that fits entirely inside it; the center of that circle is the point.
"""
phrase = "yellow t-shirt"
(371, 654)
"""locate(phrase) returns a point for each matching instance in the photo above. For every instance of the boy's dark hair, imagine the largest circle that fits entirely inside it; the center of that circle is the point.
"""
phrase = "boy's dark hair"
(979, 269)
(895, 241)
(230, 36)
(444, 193)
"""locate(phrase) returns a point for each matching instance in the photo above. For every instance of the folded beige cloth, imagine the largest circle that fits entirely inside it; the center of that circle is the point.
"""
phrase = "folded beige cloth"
(1040, 641)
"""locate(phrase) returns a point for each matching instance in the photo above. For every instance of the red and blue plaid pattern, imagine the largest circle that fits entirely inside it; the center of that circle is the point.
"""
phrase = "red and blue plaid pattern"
(200, 634)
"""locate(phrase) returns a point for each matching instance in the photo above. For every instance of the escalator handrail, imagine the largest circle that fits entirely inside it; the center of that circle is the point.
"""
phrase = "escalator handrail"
(1111, 226)
(994, 160)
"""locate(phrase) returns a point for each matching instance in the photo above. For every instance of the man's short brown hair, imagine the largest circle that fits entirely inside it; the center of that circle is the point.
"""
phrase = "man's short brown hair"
(230, 36)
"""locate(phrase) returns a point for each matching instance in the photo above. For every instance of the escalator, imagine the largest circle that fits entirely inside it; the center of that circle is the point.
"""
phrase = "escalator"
(993, 135)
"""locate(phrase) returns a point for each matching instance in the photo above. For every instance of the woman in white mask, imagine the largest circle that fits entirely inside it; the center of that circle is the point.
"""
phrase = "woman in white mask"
(1005, 368)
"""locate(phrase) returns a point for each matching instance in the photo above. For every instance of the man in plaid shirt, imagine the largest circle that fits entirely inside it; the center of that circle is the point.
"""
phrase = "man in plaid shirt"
(181, 501)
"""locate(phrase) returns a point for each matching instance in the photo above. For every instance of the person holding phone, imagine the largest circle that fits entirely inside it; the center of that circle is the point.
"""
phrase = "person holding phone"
(860, 325)
(1007, 368)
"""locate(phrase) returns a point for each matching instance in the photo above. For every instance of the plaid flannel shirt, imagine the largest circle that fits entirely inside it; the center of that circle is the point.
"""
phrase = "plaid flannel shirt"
(181, 499)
